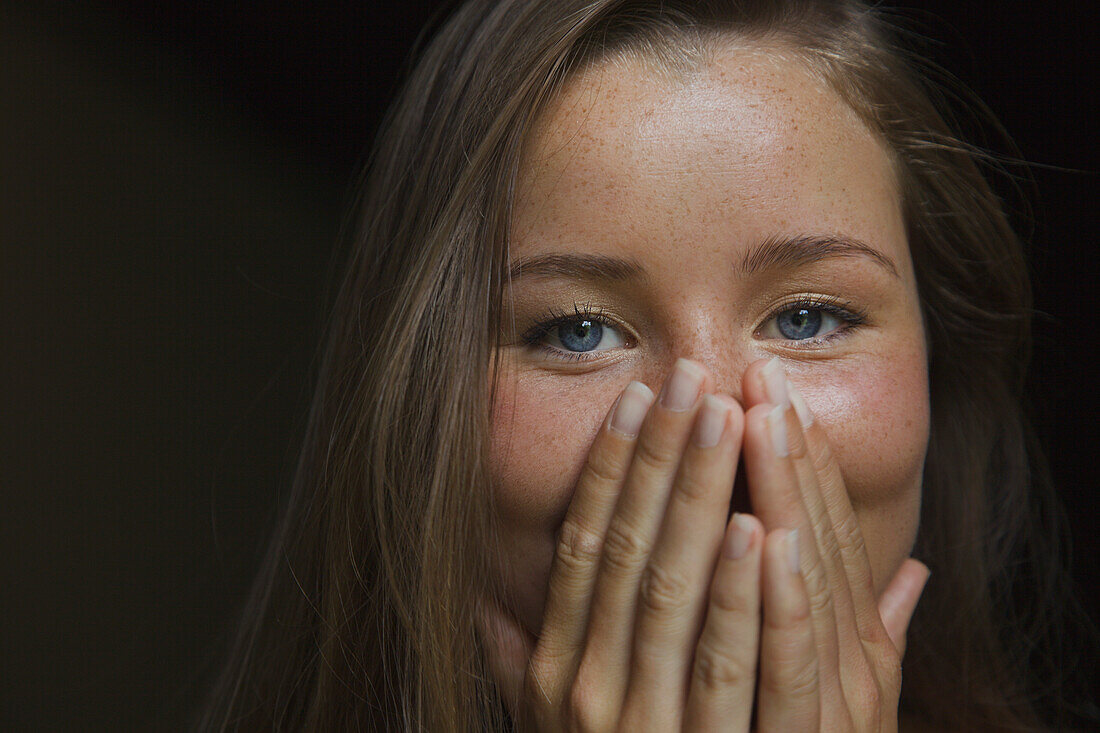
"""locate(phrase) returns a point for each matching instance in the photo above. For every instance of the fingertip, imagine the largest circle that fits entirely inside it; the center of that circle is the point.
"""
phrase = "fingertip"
(913, 576)
(736, 419)
(756, 418)
(924, 569)
(765, 436)
(730, 401)
(750, 523)
(707, 385)
(921, 573)
(626, 415)
(752, 384)
(900, 598)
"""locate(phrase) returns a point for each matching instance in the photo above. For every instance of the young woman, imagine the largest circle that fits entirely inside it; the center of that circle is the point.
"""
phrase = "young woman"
(673, 332)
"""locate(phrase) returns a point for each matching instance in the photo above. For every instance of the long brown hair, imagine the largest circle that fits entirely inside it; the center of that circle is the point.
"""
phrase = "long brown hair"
(362, 616)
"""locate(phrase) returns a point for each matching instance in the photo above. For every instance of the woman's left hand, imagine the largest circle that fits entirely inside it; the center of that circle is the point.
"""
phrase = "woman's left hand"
(794, 481)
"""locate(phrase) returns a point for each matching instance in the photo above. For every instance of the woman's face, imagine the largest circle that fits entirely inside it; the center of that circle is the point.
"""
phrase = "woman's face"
(739, 211)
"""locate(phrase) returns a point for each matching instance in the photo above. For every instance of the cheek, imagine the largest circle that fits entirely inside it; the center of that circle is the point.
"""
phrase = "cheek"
(539, 442)
(540, 439)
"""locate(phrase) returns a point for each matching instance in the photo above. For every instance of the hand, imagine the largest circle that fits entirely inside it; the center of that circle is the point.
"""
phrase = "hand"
(647, 624)
(860, 640)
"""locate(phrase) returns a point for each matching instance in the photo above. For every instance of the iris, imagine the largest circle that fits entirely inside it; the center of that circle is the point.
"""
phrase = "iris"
(580, 335)
(799, 323)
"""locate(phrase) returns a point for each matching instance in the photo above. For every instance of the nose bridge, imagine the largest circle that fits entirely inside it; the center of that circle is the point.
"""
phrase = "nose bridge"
(705, 330)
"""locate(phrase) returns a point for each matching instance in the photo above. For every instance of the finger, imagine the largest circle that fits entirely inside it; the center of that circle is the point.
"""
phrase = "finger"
(857, 676)
(838, 504)
(860, 596)
(777, 499)
(723, 673)
(899, 600)
(633, 530)
(673, 591)
(788, 695)
(773, 484)
(580, 540)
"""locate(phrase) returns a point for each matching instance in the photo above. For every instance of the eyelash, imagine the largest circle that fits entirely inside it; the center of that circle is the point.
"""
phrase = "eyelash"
(850, 316)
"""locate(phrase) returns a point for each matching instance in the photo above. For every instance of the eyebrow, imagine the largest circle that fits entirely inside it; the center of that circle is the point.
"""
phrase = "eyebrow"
(773, 252)
(579, 267)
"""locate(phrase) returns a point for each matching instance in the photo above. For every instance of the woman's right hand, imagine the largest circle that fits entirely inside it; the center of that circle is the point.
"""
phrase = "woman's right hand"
(653, 612)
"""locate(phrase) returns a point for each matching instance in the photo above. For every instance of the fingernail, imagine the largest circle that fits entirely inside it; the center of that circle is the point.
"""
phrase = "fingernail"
(633, 405)
(800, 407)
(711, 422)
(778, 428)
(792, 551)
(775, 383)
(682, 388)
(738, 539)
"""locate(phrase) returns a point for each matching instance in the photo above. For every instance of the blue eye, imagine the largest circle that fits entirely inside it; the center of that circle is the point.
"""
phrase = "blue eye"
(580, 335)
(811, 320)
(801, 323)
(577, 336)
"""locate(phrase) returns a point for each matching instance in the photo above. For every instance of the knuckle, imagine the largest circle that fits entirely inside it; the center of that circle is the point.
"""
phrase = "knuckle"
(830, 548)
(822, 456)
(578, 547)
(623, 549)
(796, 681)
(690, 488)
(601, 468)
(818, 590)
(730, 600)
(717, 670)
(663, 590)
(584, 712)
(821, 604)
(849, 535)
(655, 454)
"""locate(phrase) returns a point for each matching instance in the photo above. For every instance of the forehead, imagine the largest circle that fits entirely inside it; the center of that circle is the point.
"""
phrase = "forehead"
(751, 140)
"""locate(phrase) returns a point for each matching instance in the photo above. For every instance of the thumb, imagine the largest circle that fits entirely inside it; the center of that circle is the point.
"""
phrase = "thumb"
(507, 648)
(900, 598)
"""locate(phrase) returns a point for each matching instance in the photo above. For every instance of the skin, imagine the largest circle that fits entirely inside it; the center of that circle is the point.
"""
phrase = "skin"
(687, 174)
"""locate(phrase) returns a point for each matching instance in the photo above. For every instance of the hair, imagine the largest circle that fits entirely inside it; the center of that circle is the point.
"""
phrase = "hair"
(362, 615)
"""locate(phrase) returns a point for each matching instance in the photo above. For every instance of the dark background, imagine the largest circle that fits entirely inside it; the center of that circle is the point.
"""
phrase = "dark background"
(172, 180)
